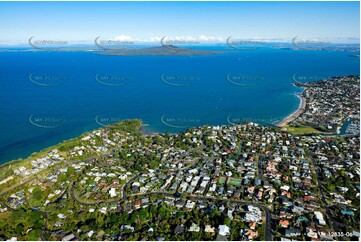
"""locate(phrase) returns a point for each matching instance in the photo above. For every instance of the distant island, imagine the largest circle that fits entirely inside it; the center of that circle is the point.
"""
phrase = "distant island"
(172, 50)
(166, 50)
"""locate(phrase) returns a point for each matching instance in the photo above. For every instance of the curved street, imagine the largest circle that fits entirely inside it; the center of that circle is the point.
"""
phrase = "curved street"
(268, 228)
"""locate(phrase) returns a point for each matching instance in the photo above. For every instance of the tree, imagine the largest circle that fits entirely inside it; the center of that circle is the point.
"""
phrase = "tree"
(227, 221)
(34, 235)
(18, 214)
(19, 229)
(143, 214)
(37, 194)
(35, 216)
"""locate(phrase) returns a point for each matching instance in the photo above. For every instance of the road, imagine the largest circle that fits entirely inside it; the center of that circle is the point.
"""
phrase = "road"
(124, 197)
(35, 176)
(335, 225)
(268, 229)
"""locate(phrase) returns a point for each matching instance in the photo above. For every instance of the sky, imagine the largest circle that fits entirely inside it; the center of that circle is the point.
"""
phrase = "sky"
(82, 22)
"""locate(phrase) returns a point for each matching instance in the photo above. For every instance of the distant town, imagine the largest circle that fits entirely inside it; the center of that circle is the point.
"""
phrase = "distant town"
(299, 181)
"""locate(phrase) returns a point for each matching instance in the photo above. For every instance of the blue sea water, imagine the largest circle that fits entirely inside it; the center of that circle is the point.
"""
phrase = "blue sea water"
(48, 97)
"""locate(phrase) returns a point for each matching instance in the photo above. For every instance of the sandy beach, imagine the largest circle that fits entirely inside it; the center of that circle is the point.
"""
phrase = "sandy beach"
(296, 113)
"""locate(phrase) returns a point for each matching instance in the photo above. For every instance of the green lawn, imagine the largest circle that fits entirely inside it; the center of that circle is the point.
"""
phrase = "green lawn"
(235, 182)
(222, 180)
(302, 130)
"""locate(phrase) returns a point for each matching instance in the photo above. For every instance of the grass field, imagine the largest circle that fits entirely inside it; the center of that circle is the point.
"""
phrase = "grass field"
(235, 182)
(222, 180)
(232, 182)
(302, 130)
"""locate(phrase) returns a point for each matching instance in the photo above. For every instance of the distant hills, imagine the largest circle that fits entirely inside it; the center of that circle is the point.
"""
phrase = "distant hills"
(172, 50)
(166, 50)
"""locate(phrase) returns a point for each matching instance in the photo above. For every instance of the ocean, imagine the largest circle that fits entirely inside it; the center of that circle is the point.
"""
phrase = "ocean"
(47, 97)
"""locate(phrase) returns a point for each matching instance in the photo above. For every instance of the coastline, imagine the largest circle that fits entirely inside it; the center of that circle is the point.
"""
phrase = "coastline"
(145, 130)
(295, 114)
(21, 161)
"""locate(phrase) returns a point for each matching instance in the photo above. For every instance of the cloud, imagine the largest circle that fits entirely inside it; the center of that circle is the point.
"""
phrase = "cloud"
(152, 39)
(180, 38)
(210, 38)
(123, 38)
